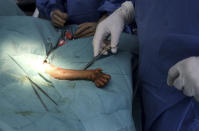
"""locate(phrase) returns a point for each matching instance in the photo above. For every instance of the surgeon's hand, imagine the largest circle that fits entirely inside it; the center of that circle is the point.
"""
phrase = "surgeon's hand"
(58, 18)
(185, 77)
(88, 28)
(85, 30)
(113, 25)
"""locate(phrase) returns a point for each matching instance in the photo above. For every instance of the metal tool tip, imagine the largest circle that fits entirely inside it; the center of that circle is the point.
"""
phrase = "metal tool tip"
(45, 61)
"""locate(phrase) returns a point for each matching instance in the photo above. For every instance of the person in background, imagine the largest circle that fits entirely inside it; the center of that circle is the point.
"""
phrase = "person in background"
(168, 33)
(85, 13)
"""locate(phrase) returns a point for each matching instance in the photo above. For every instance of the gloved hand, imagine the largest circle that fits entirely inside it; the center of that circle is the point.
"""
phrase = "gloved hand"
(185, 77)
(85, 30)
(58, 18)
(113, 25)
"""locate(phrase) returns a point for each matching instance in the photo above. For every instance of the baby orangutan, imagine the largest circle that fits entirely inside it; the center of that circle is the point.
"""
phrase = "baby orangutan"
(96, 75)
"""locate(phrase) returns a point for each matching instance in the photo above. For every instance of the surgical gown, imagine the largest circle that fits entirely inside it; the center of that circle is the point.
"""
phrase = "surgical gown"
(79, 11)
(168, 31)
(110, 6)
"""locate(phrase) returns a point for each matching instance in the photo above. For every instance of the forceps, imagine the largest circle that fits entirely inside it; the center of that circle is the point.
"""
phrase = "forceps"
(106, 48)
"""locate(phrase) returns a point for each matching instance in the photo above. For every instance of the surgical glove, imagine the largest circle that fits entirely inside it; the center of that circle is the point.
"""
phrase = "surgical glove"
(113, 25)
(86, 30)
(58, 18)
(185, 77)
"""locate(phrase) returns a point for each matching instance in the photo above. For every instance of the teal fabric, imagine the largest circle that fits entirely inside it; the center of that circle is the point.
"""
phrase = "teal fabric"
(9, 8)
(81, 106)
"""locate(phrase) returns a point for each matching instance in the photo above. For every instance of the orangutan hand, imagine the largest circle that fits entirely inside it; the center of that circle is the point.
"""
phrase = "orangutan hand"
(99, 78)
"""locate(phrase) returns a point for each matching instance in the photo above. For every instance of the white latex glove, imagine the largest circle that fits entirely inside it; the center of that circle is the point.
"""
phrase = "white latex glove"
(185, 77)
(114, 25)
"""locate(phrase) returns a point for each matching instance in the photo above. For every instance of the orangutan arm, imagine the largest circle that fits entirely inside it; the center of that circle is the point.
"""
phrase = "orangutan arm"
(96, 75)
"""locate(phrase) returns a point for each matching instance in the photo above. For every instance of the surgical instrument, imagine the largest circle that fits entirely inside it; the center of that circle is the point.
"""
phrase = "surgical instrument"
(34, 86)
(65, 34)
(106, 48)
